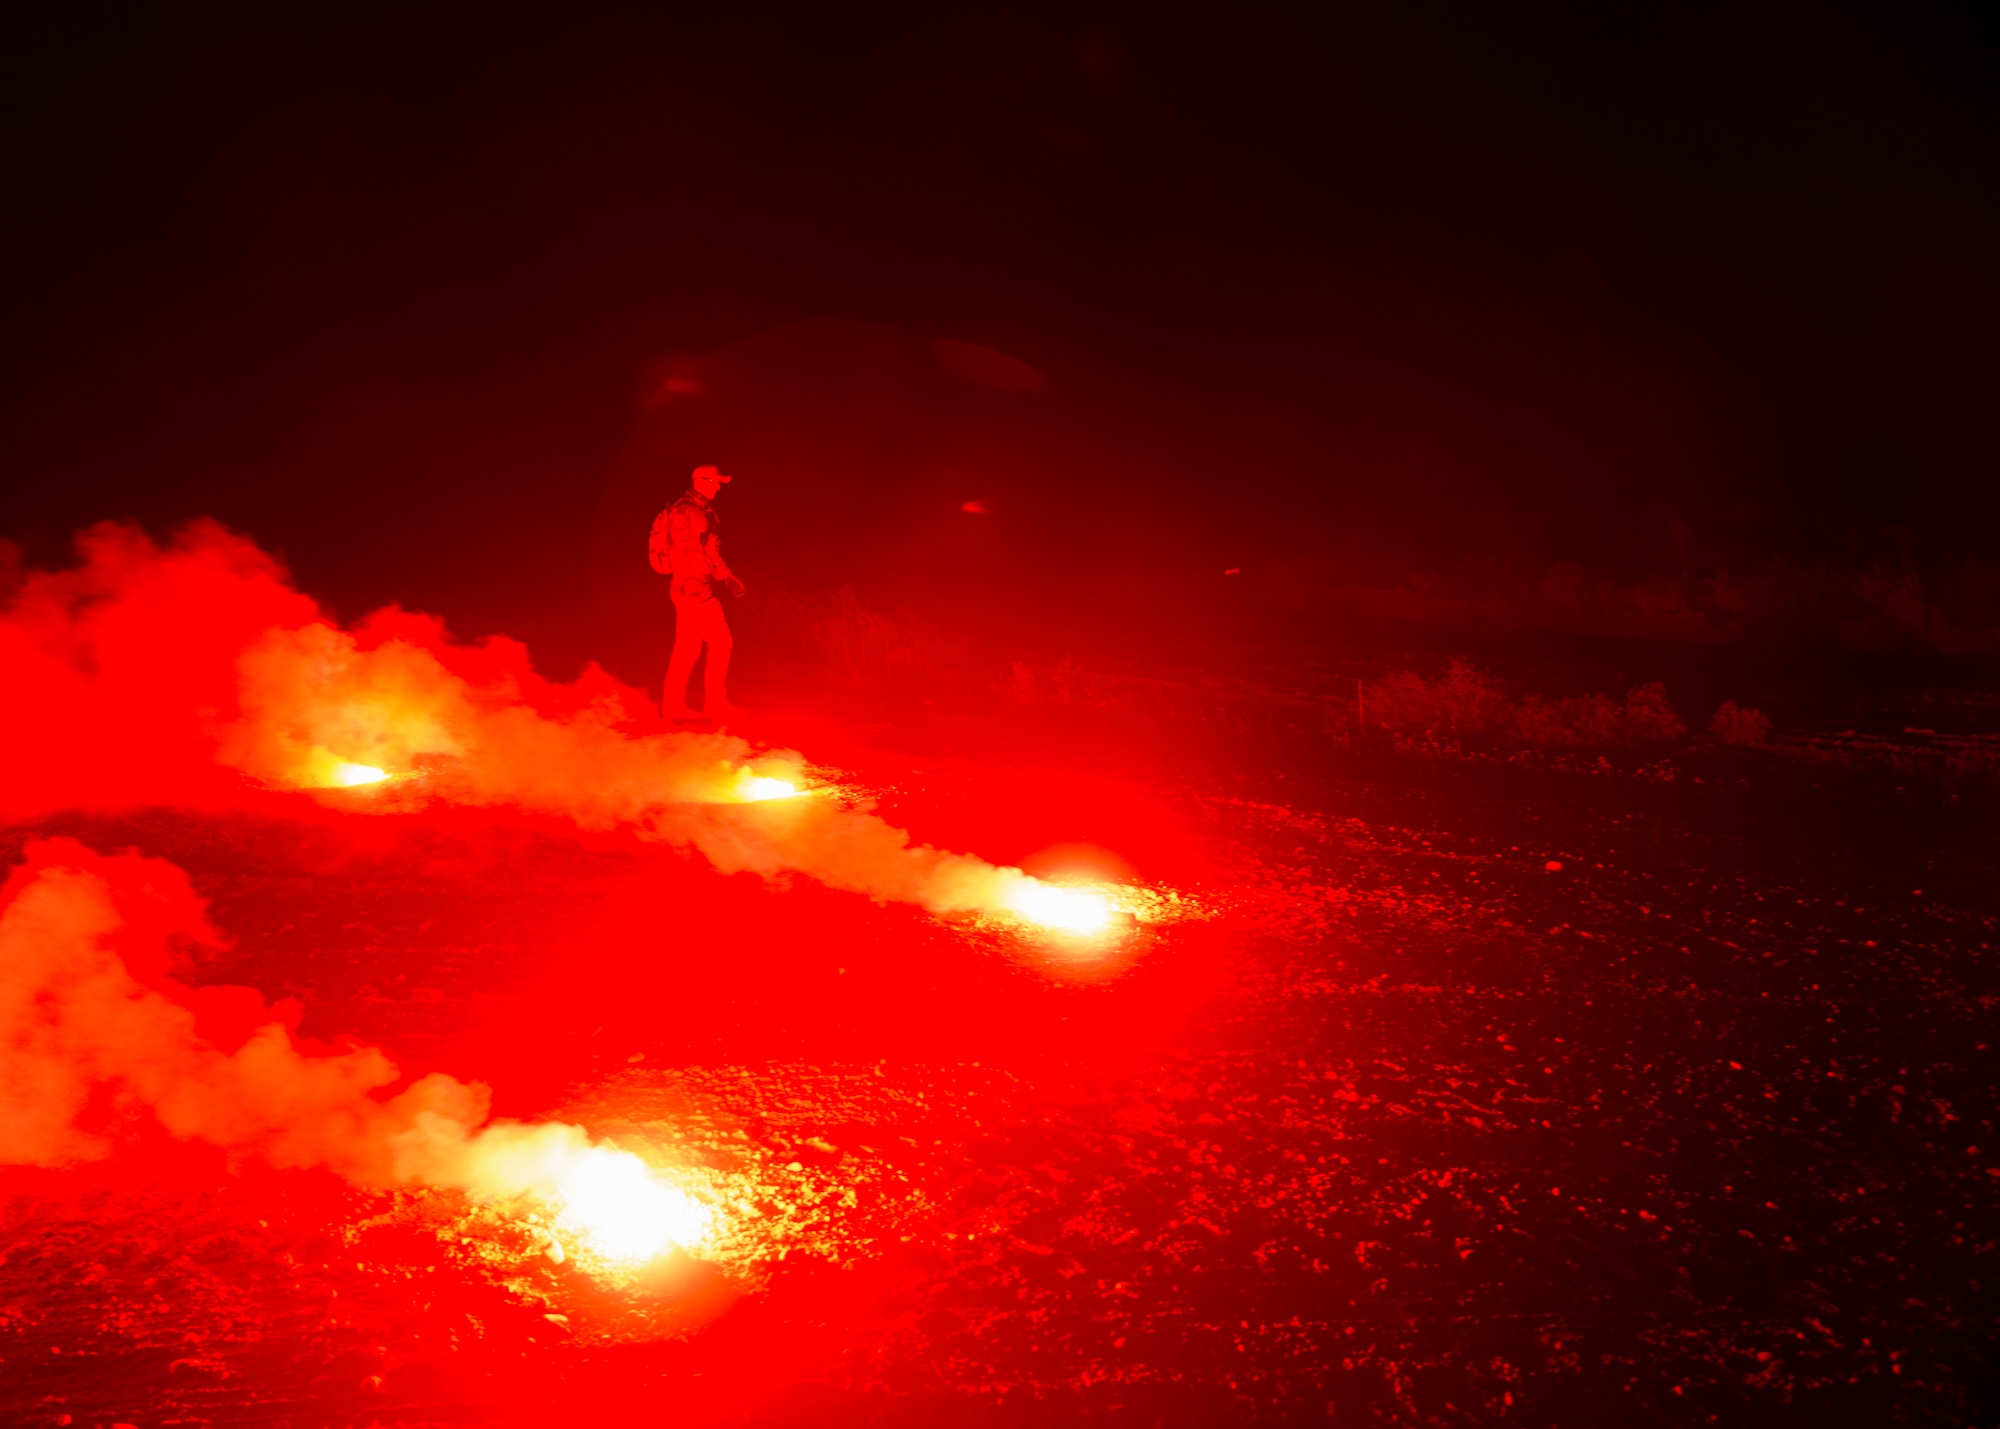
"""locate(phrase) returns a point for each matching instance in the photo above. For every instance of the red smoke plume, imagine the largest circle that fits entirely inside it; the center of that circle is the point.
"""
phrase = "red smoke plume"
(98, 1040)
(194, 675)
(95, 1032)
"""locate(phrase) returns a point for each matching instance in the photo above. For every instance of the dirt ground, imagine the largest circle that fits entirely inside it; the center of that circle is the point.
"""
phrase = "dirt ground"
(1462, 1092)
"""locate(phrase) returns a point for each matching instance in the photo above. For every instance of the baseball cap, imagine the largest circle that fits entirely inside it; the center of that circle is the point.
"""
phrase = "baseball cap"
(709, 469)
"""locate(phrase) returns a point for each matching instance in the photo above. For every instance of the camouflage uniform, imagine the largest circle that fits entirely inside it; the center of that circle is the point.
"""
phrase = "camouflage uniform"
(686, 544)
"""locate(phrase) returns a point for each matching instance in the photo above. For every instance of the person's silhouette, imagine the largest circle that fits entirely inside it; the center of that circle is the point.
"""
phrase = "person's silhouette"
(687, 546)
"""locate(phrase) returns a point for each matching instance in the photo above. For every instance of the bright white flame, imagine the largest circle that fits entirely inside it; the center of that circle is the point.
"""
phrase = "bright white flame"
(1076, 911)
(346, 776)
(753, 788)
(618, 1206)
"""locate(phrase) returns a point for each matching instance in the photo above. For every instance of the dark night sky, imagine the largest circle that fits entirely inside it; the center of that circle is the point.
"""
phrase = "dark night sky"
(1331, 280)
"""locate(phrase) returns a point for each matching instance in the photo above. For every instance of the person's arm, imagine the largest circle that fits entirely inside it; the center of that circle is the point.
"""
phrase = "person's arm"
(711, 546)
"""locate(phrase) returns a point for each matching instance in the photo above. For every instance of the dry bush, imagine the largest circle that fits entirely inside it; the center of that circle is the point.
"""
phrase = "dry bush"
(1597, 719)
(1649, 716)
(1585, 719)
(1463, 700)
(1731, 724)
(1466, 701)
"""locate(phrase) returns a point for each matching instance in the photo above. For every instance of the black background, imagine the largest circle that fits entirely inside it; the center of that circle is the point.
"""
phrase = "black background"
(1378, 286)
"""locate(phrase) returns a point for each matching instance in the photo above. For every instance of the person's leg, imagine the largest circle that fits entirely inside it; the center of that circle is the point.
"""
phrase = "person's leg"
(715, 681)
(680, 665)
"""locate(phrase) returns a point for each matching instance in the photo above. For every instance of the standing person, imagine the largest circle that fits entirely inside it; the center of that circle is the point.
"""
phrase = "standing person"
(686, 544)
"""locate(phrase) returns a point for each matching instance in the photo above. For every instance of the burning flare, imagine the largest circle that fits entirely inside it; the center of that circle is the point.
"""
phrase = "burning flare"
(754, 788)
(624, 1211)
(1079, 912)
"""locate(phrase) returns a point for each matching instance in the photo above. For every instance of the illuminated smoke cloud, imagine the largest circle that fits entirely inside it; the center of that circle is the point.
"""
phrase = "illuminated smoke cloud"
(117, 673)
(194, 675)
(98, 1040)
(89, 1003)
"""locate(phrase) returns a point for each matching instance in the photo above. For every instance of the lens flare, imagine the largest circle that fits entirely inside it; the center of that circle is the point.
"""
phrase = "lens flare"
(346, 776)
(1076, 911)
(620, 1208)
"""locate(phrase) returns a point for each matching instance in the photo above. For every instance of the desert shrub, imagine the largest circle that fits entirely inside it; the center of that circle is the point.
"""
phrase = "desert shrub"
(1732, 724)
(1597, 719)
(1463, 700)
(1540, 723)
(1648, 715)
(1585, 719)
